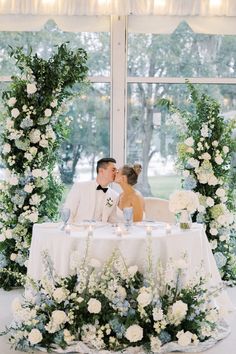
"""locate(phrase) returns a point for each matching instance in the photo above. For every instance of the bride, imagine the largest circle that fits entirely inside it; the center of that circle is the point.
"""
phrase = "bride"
(127, 177)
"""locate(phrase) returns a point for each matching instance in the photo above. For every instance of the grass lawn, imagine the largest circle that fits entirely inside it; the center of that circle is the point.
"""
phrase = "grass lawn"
(163, 186)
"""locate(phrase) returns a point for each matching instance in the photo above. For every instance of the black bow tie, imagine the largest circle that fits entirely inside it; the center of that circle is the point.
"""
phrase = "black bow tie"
(102, 189)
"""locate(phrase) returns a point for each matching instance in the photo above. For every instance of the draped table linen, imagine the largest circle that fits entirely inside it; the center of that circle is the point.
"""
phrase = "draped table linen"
(132, 245)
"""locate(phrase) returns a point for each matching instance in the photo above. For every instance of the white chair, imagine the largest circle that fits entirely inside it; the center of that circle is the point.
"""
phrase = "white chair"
(157, 209)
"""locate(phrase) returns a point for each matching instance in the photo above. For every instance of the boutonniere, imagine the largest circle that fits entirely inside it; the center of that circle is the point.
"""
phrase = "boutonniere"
(109, 202)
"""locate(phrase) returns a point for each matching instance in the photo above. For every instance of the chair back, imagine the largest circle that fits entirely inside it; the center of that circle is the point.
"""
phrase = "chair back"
(157, 209)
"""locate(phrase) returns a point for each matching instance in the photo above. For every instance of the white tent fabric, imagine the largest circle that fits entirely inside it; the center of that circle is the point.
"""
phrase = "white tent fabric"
(150, 16)
(120, 7)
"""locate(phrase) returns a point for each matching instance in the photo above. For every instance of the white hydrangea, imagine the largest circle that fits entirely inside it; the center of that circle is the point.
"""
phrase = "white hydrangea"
(28, 188)
(212, 180)
(134, 333)
(31, 88)
(43, 143)
(35, 136)
(206, 156)
(35, 199)
(37, 172)
(204, 131)
(13, 180)
(183, 199)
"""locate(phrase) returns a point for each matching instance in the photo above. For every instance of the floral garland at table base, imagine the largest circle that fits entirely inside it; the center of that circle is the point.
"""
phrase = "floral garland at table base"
(204, 158)
(34, 127)
(116, 308)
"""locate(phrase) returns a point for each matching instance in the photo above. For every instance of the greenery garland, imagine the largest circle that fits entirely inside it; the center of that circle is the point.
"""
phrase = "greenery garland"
(204, 158)
(33, 129)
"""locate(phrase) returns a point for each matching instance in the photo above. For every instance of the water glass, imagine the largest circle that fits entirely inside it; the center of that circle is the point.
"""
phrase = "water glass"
(128, 217)
(65, 215)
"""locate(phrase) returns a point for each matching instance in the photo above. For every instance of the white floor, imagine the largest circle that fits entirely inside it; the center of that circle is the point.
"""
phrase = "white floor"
(226, 346)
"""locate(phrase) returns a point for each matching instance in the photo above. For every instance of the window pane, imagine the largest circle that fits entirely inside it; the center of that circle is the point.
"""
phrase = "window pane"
(152, 136)
(97, 45)
(89, 139)
(181, 54)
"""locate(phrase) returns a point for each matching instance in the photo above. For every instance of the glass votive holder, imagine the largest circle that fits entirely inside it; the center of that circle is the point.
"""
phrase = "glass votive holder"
(168, 229)
(118, 231)
(148, 230)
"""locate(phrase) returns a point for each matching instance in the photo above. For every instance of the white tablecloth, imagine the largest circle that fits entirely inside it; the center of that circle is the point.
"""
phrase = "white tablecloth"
(59, 245)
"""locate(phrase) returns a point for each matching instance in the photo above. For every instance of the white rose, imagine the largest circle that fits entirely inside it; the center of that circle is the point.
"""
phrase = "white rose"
(144, 298)
(121, 292)
(53, 104)
(59, 317)
(15, 112)
(189, 141)
(94, 305)
(186, 173)
(13, 181)
(213, 231)
(219, 160)
(60, 294)
(35, 336)
(48, 112)
(28, 156)
(220, 192)
(178, 311)
(11, 102)
(43, 143)
(28, 188)
(31, 88)
(213, 244)
(134, 333)
(6, 148)
(193, 162)
(33, 150)
(33, 217)
(13, 257)
(157, 314)
(35, 199)
(184, 338)
(215, 143)
(212, 181)
(8, 233)
(206, 156)
(225, 149)
(210, 201)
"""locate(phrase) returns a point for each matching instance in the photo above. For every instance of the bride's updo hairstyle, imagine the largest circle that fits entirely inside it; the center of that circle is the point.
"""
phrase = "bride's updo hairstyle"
(132, 172)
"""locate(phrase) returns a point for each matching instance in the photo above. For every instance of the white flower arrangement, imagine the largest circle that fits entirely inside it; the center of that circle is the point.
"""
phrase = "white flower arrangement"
(33, 131)
(103, 309)
(206, 171)
(183, 200)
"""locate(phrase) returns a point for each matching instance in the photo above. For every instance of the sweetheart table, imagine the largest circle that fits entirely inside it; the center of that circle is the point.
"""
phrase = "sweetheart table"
(166, 243)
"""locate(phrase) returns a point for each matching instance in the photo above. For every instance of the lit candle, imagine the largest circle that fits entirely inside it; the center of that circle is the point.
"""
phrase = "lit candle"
(168, 228)
(149, 231)
(67, 229)
(118, 231)
(90, 230)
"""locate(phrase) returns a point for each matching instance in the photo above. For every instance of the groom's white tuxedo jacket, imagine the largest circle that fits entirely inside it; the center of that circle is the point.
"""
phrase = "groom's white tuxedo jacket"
(82, 201)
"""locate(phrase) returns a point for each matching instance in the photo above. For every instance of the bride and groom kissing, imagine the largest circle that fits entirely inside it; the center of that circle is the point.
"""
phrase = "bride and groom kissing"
(96, 200)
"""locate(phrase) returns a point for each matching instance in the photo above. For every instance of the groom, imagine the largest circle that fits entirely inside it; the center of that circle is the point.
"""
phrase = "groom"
(95, 200)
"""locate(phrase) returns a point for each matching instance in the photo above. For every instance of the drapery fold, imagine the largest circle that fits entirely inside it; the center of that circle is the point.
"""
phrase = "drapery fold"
(120, 7)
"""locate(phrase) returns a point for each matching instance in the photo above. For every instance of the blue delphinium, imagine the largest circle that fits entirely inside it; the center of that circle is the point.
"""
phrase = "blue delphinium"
(189, 183)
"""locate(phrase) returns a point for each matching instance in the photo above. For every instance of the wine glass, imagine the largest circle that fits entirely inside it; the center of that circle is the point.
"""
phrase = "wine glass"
(128, 217)
(65, 215)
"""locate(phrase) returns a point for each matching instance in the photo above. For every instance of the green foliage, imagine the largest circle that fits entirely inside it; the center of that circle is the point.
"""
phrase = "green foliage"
(34, 128)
